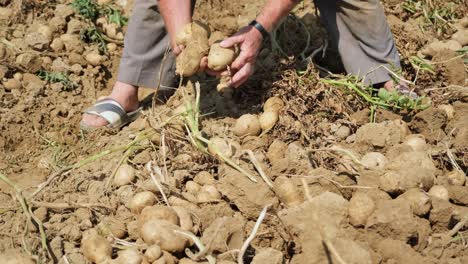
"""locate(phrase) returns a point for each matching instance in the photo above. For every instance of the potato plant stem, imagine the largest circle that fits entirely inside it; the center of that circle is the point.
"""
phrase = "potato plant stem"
(240, 256)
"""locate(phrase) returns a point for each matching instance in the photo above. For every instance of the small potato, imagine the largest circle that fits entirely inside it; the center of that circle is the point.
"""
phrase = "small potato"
(374, 160)
(219, 58)
(160, 232)
(112, 226)
(168, 258)
(192, 187)
(128, 256)
(94, 59)
(273, 104)
(140, 201)
(204, 177)
(45, 31)
(153, 253)
(111, 47)
(220, 146)
(192, 32)
(18, 76)
(11, 84)
(448, 109)
(209, 193)
(361, 206)
(456, 177)
(124, 175)
(287, 191)
(417, 142)
(95, 248)
(185, 218)
(247, 125)
(158, 212)
(439, 192)
(404, 129)
(268, 120)
(188, 62)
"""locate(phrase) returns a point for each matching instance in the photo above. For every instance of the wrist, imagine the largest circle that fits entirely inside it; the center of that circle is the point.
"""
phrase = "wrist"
(260, 28)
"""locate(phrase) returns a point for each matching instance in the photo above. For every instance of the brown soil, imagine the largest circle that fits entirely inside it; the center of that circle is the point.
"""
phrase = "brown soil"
(316, 147)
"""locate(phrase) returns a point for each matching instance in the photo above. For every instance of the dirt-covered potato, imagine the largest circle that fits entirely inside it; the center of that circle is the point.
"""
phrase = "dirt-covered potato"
(273, 104)
(194, 31)
(158, 212)
(188, 62)
(124, 175)
(456, 177)
(161, 233)
(220, 146)
(448, 109)
(219, 58)
(153, 253)
(140, 201)
(111, 226)
(194, 37)
(417, 142)
(185, 218)
(287, 191)
(439, 192)
(268, 120)
(374, 160)
(128, 256)
(95, 248)
(419, 201)
(247, 125)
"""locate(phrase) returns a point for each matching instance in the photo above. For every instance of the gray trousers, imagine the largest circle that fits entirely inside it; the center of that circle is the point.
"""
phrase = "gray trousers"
(357, 28)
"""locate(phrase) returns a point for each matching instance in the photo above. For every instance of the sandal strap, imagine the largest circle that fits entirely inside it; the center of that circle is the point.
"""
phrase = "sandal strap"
(110, 110)
(406, 91)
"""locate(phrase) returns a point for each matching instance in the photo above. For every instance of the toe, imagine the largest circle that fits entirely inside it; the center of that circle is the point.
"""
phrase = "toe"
(93, 121)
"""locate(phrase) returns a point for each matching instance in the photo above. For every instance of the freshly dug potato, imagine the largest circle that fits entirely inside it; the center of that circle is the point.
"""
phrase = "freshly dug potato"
(192, 32)
(111, 226)
(374, 160)
(247, 125)
(18, 76)
(192, 187)
(208, 193)
(219, 58)
(158, 212)
(153, 253)
(161, 233)
(361, 206)
(273, 104)
(439, 192)
(287, 191)
(140, 201)
(188, 62)
(185, 218)
(448, 109)
(221, 146)
(204, 177)
(94, 59)
(95, 248)
(417, 142)
(11, 84)
(124, 175)
(419, 201)
(268, 120)
(456, 177)
(167, 258)
(128, 256)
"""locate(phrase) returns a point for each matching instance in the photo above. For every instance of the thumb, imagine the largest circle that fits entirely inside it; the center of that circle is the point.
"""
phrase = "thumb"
(229, 42)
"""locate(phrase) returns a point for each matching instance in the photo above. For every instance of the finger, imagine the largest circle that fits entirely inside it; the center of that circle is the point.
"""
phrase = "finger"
(229, 42)
(242, 75)
(203, 64)
(240, 61)
(212, 73)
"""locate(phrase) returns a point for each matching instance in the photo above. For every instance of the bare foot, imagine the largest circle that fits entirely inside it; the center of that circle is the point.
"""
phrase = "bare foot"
(125, 94)
(401, 88)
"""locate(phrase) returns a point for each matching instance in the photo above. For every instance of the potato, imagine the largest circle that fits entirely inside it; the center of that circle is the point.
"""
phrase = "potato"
(221, 146)
(404, 130)
(192, 32)
(140, 201)
(11, 84)
(247, 125)
(219, 58)
(18, 76)
(268, 120)
(45, 31)
(128, 256)
(439, 192)
(417, 142)
(111, 226)
(94, 59)
(185, 218)
(419, 201)
(208, 193)
(152, 253)
(287, 191)
(124, 175)
(448, 109)
(204, 177)
(273, 104)
(374, 160)
(167, 258)
(161, 232)
(95, 248)
(188, 62)
(192, 187)
(456, 177)
(361, 206)
(158, 212)
(111, 47)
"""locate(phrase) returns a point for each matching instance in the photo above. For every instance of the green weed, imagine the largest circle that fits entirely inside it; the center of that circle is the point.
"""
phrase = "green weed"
(94, 35)
(92, 11)
(57, 77)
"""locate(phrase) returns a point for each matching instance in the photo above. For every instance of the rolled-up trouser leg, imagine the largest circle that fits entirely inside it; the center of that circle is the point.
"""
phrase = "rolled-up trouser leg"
(359, 30)
(145, 43)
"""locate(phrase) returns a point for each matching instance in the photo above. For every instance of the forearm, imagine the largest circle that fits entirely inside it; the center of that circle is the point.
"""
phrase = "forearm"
(176, 14)
(274, 11)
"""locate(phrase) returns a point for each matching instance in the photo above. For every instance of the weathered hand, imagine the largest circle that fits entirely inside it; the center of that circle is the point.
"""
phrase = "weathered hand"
(250, 41)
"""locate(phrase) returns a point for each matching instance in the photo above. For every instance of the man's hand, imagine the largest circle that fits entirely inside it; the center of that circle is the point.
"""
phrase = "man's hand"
(250, 41)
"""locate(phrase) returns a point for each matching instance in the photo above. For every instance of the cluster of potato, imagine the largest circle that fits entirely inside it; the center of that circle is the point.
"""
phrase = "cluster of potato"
(199, 42)
(253, 125)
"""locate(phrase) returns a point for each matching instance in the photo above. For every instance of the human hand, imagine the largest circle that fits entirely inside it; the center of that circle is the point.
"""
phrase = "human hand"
(250, 41)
